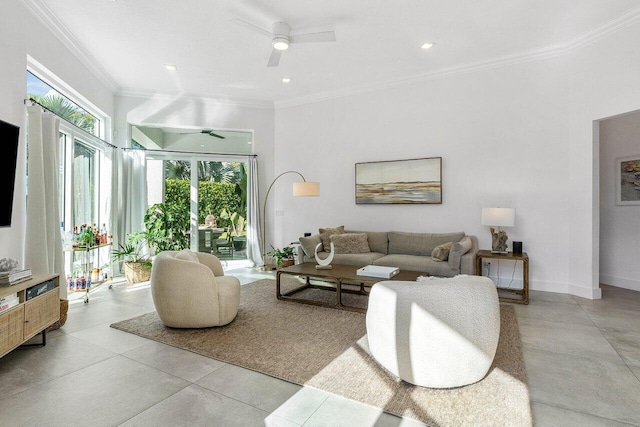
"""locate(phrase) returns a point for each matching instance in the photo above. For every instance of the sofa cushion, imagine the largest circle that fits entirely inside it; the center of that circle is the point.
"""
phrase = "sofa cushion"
(423, 264)
(419, 243)
(378, 240)
(187, 255)
(458, 249)
(326, 233)
(309, 244)
(441, 252)
(357, 260)
(350, 243)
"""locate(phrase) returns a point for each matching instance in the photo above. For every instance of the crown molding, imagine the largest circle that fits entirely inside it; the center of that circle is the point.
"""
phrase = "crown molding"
(46, 16)
(607, 28)
(219, 100)
(503, 61)
(620, 22)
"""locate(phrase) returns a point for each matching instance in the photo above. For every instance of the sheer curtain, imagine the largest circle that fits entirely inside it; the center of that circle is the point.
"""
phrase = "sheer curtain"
(132, 193)
(43, 246)
(254, 251)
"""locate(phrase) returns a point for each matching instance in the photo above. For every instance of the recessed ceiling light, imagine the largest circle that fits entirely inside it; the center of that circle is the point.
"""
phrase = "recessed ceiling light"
(171, 67)
(426, 46)
(286, 79)
(248, 142)
(201, 145)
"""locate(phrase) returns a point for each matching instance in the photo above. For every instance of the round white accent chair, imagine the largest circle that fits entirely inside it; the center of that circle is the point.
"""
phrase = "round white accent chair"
(437, 333)
(190, 290)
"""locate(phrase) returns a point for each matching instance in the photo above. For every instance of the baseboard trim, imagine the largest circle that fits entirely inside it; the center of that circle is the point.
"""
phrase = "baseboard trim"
(584, 292)
(620, 282)
(566, 288)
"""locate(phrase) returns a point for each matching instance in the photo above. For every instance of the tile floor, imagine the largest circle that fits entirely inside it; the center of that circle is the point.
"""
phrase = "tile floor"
(582, 359)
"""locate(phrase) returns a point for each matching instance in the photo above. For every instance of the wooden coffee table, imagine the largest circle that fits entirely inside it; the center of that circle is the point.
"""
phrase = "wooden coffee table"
(340, 275)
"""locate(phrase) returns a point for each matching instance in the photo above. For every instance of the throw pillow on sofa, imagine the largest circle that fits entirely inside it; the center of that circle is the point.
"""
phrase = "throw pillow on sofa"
(441, 253)
(326, 233)
(309, 244)
(458, 249)
(350, 243)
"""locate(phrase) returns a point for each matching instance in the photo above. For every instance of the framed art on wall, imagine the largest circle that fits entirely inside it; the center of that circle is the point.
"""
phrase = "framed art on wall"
(628, 180)
(414, 181)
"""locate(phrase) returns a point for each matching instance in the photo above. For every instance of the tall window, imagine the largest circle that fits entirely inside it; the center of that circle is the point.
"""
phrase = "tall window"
(85, 161)
(85, 174)
(44, 94)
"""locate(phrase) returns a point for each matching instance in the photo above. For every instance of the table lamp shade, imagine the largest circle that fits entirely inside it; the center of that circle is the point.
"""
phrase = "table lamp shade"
(306, 189)
(499, 217)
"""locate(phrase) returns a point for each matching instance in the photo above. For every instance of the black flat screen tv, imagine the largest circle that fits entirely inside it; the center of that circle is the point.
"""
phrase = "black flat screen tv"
(9, 140)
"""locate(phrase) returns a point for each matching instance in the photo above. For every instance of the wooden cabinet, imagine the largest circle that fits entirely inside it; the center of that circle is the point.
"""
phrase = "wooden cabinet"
(11, 329)
(30, 317)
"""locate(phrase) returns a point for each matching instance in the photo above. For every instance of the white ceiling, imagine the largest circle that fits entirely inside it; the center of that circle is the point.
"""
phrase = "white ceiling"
(378, 42)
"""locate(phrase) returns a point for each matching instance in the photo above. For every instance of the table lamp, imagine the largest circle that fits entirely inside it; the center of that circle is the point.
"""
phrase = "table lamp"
(498, 217)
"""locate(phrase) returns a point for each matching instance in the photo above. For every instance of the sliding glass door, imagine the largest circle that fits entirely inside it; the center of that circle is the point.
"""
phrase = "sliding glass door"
(207, 194)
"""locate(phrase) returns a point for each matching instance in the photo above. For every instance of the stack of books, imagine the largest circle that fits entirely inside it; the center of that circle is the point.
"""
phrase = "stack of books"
(11, 277)
(8, 301)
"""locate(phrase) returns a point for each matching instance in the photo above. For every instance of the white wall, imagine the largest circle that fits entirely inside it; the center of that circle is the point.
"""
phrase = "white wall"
(501, 143)
(518, 136)
(603, 82)
(619, 225)
(23, 35)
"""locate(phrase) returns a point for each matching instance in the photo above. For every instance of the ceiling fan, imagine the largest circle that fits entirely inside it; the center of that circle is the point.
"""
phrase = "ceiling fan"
(211, 133)
(281, 37)
(207, 132)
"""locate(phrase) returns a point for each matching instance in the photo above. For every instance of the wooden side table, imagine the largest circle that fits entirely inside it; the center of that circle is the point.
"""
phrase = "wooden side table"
(524, 292)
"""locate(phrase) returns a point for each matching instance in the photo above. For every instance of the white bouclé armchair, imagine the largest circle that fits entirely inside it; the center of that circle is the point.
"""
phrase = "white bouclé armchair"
(190, 290)
(436, 333)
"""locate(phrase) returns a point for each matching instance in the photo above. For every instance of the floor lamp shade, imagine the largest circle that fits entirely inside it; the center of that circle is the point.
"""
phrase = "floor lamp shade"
(499, 217)
(306, 189)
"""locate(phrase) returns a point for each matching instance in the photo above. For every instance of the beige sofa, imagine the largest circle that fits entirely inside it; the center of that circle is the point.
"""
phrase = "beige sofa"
(407, 251)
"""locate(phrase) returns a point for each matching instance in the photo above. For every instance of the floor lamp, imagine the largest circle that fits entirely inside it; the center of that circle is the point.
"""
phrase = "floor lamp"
(300, 189)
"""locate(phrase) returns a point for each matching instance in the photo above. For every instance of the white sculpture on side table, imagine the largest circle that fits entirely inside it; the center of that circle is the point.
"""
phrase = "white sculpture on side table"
(324, 264)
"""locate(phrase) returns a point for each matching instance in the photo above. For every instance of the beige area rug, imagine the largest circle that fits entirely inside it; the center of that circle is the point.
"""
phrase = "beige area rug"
(327, 349)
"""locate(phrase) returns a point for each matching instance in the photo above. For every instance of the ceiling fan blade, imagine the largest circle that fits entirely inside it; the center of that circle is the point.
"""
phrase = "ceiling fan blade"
(274, 59)
(251, 27)
(215, 135)
(324, 36)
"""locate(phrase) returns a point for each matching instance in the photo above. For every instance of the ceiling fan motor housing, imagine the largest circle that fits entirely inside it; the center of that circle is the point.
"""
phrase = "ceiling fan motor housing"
(281, 32)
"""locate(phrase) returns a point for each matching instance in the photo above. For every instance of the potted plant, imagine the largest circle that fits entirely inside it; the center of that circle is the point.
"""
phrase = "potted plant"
(283, 257)
(137, 265)
(86, 237)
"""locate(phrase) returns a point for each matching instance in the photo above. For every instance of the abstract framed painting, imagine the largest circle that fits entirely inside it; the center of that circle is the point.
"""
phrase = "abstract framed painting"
(413, 181)
(628, 180)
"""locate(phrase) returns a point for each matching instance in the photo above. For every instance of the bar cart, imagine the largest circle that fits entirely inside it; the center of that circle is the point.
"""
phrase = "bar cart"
(89, 261)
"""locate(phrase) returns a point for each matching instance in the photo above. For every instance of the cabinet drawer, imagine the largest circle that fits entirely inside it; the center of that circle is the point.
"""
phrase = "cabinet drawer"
(41, 312)
(11, 328)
